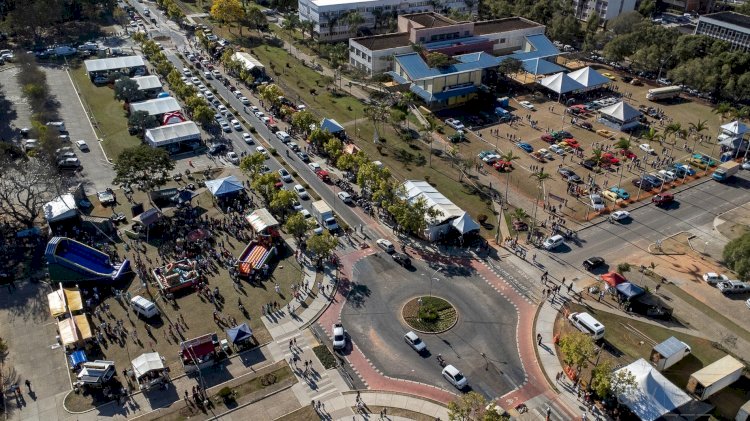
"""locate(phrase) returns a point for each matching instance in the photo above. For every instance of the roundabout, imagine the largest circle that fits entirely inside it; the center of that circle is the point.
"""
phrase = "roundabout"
(460, 317)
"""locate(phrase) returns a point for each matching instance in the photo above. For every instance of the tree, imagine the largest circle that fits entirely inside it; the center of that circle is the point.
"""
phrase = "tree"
(577, 349)
(252, 164)
(565, 28)
(25, 186)
(737, 255)
(307, 26)
(203, 114)
(255, 18)
(652, 136)
(473, 407)
(227, 11)
(322, 245)
(265, 185)
(623, 143)
(413, 217)
(302, 121)
(3, 350)
(723, 109)
(271, 93)
(143, 166)
(623, 267)
(126, 89)
(142, 120)
(601, 378)
(334, 148)
(297, 225)
(354, 20)
(625, 23)
(439, 60)
(290, 24)
(282, 201)
(510, 66)
(622, 381)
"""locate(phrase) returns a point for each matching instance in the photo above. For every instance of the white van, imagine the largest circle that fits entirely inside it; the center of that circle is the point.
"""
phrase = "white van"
(587, 324)
(283, 136)
(144, 307)
(553, 242)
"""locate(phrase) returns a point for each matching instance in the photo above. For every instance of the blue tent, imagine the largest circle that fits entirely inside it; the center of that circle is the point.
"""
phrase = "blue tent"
(77, 358)
(239, 333)
(630, 290)
(331, 125)
(224, 186)
(163, 95)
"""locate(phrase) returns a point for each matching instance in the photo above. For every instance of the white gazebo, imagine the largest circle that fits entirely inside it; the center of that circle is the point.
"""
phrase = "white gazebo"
(621, 116)
(589, 78)
(561, 83)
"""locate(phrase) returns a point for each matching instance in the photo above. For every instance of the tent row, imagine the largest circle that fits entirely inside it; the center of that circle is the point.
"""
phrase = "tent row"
(584, 79)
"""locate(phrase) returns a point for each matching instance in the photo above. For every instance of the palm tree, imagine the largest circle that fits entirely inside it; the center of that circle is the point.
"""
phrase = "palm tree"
(540, 177)
(407, 101)
(623, 143)
(674, 130)
(508, 157)
(596, 156)
(700, 126)
(290, 24)
(307, 26)
(354, 20)
(520, 214)
(652, 136)
(724, 109)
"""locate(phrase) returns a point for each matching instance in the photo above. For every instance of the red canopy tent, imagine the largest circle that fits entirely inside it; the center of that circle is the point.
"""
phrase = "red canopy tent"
(613, 279)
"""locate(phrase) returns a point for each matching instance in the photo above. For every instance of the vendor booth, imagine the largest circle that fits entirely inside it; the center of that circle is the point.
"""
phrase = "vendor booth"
(149, 370)
(240, 335)
(198, 353)
(621, 116)
(263, 223)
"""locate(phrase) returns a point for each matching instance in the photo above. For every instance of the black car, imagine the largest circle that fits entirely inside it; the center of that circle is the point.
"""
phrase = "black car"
(588, 164)
(401, 259)
(217, 148)
(643, 184)
(593, 263)
(569, 175)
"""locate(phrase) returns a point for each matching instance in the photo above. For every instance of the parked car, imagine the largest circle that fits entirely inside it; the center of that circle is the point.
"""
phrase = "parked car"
(233, 158)
(386, 245)
(620, 192)
(527, 105)
(645, 147)
(285, 176)
(662, 199)
(82, 145)
(733, 287)
(569, 175)
(713, 278)
(301, 192)
(262, 150)
(525, 146)
(248, 138)
(344, 196)
(596, 202)
(593, 263)
(454, 123)
(217, 148)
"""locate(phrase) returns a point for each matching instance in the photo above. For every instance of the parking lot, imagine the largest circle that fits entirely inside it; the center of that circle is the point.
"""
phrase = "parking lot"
(549, 116)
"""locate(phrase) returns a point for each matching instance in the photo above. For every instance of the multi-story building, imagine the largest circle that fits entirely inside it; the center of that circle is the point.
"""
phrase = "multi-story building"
(700, 6)
(436, 33)
(331, 16)
(606, 9)
(728, 26)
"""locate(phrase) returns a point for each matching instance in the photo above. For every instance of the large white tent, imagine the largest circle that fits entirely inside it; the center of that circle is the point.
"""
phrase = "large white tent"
(653, 395)
(621, 116)
(589, 78)
(172, 133)
(60, 208)
(450, 217)
(146, 363)
(561, 83)
(734, 128)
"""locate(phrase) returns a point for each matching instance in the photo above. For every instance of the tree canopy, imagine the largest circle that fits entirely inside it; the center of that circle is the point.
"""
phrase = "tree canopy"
(25, 186)
(126, 89)
(473, 406)
(297, 225)
(143, 166)
(577, 349)
(737, 255)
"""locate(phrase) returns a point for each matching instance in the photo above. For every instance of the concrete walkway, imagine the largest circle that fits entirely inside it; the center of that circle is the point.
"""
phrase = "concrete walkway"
(339, 408)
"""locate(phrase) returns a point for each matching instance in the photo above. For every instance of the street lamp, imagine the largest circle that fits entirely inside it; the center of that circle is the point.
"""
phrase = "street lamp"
(419, 309)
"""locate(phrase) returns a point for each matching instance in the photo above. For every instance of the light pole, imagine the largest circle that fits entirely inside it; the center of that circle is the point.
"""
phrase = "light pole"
(661, 66)
(433, 278)
(708, 166)
(536, 205)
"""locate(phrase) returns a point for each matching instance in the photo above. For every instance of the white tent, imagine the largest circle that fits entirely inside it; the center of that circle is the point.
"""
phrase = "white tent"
(156, 106)
(248, 62)
(465, 224)
(621, 115)
(561, 83)
(653, 396)
(261, 219)
(60, 208)
(589, 78)
(434, 199)
(172, 133)
(146, 363)
(734, 128)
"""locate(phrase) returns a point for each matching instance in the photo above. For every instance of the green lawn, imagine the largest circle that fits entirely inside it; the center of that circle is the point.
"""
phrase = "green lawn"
(111, 124)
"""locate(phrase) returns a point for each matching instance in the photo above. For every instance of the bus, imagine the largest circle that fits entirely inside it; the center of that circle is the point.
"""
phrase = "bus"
(667, 92)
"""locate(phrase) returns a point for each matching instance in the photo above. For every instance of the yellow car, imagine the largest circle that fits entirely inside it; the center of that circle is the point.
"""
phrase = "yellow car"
(605, 133)
(609, 76)
(565, 147)
(610, 195)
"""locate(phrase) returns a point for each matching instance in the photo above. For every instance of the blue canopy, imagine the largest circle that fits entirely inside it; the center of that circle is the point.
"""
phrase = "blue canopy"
(239, 333)
(224, 186)
(630, 290)
(163, 95)
(331, 125)
(77, 358)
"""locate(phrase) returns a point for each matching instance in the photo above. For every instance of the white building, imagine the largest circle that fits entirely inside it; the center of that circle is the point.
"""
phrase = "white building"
(606, 9)
(728, 26)
(330, 16)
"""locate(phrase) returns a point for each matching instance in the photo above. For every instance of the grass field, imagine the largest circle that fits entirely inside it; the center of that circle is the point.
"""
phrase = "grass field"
(110, 121)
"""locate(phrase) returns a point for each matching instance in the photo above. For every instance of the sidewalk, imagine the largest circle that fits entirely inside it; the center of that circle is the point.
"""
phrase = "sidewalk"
(339, 408)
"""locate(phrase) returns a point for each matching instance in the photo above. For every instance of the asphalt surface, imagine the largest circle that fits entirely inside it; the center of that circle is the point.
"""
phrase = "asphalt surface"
(693, 211)
(486, 324)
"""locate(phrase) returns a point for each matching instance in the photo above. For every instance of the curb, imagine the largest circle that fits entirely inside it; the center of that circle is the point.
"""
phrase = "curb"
(410, 395)
(536, 349)
(320, 312)
(253, 401)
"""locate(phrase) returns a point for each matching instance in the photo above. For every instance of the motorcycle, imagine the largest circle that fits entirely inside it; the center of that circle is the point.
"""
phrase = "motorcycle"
(440, 360)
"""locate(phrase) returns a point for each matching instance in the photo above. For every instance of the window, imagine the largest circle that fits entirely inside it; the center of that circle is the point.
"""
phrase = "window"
(369, 59)
(502, 40)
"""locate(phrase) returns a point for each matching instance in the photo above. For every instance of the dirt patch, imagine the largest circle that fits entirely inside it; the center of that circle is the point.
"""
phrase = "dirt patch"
(734, 223)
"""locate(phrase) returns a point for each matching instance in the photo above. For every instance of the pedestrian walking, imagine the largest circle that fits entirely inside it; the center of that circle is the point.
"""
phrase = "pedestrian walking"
(290, 344)
(28, 384)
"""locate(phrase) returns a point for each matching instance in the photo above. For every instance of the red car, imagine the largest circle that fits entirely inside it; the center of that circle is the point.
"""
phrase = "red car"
(627, 153)
(547, 138)
(503, 166)
(572, 143)
(323, 175)
(662, 199)
(609, 158)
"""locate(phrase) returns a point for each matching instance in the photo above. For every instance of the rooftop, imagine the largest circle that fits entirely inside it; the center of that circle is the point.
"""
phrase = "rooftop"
(731, 17)
(384, 42)
(113, 63)
(430, 19)
(503, 25)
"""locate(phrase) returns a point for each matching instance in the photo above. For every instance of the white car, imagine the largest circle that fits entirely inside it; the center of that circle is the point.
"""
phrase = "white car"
(301, 192)
(344, 196)
(645, 147)
(556, 149)
(233, 158)
(262, 150)
(186, 71)
(285, 176)
(713, 278)
(195, 80)
(414, 342)
(210, 95)
(259, 113)
(454, 377)
(339, 336)
(296, 206)
(527, 105)
(667, 176)
(746, 165)
(208, 75)
(293, 146)
(619, 215)
(316, 229)
(305, 213)
(254, 109)
(236, 124)
(386, 245)
(225, 126)
(82, 145)
(222, 109)
(596, 202)
(314, 166)
(244, 100)
(456, 124)
(248, 138)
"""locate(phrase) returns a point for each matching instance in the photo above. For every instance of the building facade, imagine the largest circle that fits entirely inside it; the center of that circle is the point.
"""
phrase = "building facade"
(436, 33)
(606, 9)
(728, 26)
(330, 16)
